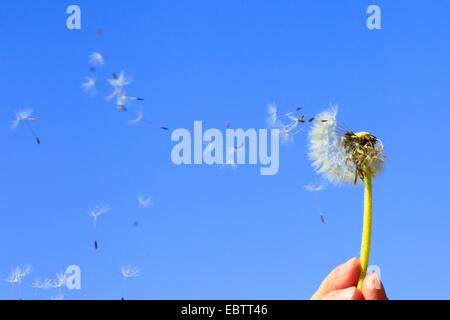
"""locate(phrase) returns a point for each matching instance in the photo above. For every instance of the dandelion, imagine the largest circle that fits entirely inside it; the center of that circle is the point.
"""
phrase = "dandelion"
(96, 59)
(96, 214)
(127, 273)
(89, 85)
(16, 277)
(25, 116)
(344, 156)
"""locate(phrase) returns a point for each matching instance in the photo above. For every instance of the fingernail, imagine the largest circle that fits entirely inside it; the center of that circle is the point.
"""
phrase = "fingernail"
(373, 282)
(346, 294)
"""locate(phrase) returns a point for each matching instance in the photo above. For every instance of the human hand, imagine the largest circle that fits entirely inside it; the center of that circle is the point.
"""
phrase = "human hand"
(341, 284)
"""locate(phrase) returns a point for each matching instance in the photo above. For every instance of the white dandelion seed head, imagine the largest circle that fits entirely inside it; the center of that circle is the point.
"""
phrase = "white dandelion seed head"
(343, 157)
(22, 116)
(18, 274)
(145, 202)
(97, 59)
(130, 272)
(326, 151)
(99, 211)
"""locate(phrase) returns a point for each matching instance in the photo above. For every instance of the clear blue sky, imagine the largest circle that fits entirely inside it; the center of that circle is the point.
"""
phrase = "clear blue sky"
(215, 233)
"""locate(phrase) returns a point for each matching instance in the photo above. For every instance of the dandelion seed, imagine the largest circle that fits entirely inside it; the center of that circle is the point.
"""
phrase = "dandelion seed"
(145, 202)
(132, 98)
(289, 124)
(18, 274)
(96, 214)
(137, 119)
(59, 281)
(230, 163)
(272, 112)
(286, 135)
(119, 81)
(314, 187)
(121, 106)
(345, 156)
(231, 155)
(25, 116)
(130, 272)
(37, 284)
(96, 59)
(89, 85)
(59, 297)
(16, 277)
(127, 273)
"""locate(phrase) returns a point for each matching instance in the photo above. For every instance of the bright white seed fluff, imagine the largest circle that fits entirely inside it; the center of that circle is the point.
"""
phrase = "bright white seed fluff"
(333, 154)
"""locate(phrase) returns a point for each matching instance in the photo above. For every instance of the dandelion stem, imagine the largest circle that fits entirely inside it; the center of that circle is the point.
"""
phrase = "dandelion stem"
(367, 227)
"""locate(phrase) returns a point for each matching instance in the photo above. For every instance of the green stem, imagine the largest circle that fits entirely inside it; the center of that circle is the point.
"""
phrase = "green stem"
(367, 227)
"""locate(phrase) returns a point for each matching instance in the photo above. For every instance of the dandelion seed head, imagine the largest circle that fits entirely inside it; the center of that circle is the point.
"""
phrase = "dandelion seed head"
(365, 151)
(333, 153)
(129, 272)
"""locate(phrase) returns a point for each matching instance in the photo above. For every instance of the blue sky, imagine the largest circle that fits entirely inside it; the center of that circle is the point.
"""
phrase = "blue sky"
(217, 233)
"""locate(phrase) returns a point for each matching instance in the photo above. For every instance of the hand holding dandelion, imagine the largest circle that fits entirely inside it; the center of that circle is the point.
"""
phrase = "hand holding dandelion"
(348, 157)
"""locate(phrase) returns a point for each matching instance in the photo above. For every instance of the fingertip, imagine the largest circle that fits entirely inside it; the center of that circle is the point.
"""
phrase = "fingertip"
(351, 293)
(373, 288)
